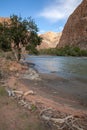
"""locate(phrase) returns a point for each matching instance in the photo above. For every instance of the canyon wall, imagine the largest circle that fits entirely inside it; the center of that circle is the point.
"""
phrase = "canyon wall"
(75, 30)
(50, 40)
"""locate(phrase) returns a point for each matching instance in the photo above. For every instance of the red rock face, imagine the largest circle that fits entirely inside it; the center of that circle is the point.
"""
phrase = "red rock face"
(75, 30)
(50, 40)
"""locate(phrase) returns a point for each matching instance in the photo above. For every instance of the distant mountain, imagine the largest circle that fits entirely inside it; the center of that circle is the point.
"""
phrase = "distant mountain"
(50, 40)
(75, 30)
(3, 19)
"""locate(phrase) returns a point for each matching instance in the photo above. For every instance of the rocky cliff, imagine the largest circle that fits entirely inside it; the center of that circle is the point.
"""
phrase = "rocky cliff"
(75, 30)
(50, 40)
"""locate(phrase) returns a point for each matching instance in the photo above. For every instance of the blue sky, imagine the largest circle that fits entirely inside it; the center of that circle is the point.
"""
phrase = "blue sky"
(49, 15)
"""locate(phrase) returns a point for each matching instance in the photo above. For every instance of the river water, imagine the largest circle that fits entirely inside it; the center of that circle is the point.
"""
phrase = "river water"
(67, 76)
(67, 67)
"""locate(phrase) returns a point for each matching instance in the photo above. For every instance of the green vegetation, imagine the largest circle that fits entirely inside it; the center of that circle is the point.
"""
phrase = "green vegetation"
(64, 51)
(4, 39)
(32, 49)
(36, 40)
(2, 91)
(33, 107)
(18, 33)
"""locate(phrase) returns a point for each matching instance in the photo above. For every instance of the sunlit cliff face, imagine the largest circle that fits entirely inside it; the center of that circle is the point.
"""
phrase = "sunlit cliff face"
(2, 19)
(75, 30)
(50, 40)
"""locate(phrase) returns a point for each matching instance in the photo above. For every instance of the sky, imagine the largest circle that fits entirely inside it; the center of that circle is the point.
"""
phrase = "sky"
(49, 15)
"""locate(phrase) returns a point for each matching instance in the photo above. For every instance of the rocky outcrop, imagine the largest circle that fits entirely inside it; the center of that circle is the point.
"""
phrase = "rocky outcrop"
(2, 19)
(50, 40)
(75, 30)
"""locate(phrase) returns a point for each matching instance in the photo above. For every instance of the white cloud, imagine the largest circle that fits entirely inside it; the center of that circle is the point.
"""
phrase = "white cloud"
(59, 9)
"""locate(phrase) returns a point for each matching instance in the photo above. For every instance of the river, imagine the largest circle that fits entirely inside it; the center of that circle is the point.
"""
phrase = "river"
(64, 77)
(67, 67)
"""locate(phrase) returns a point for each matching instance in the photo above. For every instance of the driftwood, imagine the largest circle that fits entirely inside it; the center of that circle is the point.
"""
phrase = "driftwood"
(58, 120)
(13, 92)
(65, 122)
(30, 92)
(18, 92)
(68, 122)
(10, 92)
(20, 96)
(62, 123)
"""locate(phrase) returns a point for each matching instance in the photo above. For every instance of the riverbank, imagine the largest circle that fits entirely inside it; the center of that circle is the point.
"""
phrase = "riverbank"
(49, 110)
(63, 78)
(33, 92)
(13, 114)
(69, 95)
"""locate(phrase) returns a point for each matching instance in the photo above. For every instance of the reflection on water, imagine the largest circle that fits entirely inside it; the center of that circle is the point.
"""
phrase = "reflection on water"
(64, 66)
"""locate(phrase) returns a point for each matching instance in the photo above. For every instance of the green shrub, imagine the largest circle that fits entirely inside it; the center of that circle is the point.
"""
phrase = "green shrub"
(32, 49)
(64, 51)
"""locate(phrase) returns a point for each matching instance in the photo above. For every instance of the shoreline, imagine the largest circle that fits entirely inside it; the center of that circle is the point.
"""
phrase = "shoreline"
(71, 87)
(38, 93)
(54, 88)
(45, 88)
(69, 91)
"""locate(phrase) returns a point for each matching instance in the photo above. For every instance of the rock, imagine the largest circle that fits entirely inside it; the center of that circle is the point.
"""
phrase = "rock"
(50, 40)
(17, 75)
(2, 19)
(31, 74)
(75, 30)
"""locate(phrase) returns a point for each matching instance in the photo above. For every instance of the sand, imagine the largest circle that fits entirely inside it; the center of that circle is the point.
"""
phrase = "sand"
(66, 93)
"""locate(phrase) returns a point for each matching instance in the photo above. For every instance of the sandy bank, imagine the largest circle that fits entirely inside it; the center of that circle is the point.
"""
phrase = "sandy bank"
(53, 91)
(50, 93)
